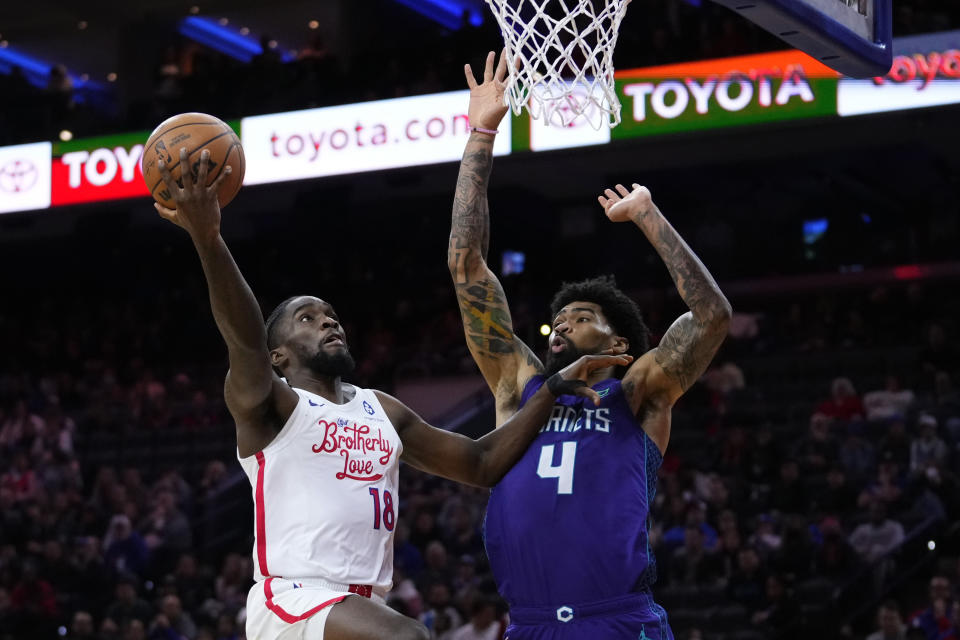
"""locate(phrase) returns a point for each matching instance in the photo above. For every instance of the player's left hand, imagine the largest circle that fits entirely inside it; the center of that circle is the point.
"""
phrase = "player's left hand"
(623, 205)
(583, 366)
(487, 108)
(198, 210)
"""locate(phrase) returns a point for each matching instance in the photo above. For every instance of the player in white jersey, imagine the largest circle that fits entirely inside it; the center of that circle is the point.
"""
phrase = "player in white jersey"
(323, 455)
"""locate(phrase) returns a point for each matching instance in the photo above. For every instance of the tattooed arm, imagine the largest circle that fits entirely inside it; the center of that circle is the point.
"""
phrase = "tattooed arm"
(655, 381)
(505, 362)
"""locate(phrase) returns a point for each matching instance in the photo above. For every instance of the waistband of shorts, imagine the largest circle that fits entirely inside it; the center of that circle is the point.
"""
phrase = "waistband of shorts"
(364, 590)
(564, 613)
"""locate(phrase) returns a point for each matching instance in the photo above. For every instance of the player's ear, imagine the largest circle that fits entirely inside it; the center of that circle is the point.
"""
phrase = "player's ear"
(278, 357)
(620, 345)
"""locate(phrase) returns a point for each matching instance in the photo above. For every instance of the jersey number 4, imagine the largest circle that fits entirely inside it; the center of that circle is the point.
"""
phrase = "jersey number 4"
(562, 472)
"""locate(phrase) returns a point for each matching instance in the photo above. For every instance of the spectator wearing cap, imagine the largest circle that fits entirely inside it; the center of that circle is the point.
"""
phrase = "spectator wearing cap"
(928, 449)
(124, 549)
(889, 623)
(835, 558)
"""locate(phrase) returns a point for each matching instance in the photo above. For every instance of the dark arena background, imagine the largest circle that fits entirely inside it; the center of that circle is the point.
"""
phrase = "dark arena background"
(811, 488)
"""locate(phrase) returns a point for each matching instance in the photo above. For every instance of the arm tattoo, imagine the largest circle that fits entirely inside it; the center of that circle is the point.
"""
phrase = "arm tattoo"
(691, 342)
(470, 225)
(486, 318)
(687, 348)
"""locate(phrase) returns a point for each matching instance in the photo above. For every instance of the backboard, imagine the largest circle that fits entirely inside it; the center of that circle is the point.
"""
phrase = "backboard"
(852, 36)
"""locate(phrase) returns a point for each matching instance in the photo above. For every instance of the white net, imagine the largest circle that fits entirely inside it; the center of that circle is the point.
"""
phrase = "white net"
(565, 48)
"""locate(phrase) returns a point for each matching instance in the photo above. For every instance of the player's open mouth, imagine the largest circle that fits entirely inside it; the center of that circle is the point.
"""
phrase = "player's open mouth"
(557, 345)
(334, 340)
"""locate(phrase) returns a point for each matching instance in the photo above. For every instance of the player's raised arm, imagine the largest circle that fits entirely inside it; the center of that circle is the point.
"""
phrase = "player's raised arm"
(688, 346)
(258, 400)
(505, 362)
(484, 462)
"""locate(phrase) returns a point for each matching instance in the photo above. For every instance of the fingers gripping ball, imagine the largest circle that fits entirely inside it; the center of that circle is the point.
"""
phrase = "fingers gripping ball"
(195, 132)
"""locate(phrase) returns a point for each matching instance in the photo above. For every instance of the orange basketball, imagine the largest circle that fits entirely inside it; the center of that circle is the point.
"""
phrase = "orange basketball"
(195, 132)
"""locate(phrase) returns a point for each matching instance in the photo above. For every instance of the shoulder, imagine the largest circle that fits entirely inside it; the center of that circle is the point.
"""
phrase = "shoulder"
(398, 413)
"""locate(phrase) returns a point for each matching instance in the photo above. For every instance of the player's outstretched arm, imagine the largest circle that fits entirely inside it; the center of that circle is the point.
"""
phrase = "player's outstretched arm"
(484, 462)
(688, 346)
(504, 360)
(258, 400)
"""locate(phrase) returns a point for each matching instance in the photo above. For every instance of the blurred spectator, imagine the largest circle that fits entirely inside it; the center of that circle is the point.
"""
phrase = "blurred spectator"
(483, 623)
(895, 445)
(692, 564)
(835, 558)
(440, 618)
(124, 549)
(838, 498)
(889, 623)
(928, 449)
(844, 403)
(889, 402)
(81, 627)
(33, 600)
(789, 495)
(818, 450)
(874, 539)
(172, 622)
(127, 606)
(778, 616)
(747, 585)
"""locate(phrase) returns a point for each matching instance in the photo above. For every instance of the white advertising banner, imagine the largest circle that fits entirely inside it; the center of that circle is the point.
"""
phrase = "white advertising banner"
(925, 73)
(353, 138)
(25, 177)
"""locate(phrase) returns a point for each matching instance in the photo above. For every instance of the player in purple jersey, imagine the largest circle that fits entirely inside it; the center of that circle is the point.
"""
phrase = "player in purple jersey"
(566, 528)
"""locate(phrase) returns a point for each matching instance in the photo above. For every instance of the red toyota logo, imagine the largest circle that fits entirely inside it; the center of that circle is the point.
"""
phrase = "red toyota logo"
(17, 176)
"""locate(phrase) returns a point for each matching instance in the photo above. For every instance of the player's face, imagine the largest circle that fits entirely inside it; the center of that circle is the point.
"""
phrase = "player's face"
(579, 328)
(316, 337)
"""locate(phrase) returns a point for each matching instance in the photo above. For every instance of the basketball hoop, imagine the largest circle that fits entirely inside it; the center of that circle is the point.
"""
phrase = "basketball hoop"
(565, 49)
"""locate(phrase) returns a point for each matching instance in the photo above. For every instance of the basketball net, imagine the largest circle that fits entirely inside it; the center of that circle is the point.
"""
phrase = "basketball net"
(565, 49)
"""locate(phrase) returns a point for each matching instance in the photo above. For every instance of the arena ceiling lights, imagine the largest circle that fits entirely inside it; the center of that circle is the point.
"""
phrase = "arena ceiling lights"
(222, 38)
(449, 13)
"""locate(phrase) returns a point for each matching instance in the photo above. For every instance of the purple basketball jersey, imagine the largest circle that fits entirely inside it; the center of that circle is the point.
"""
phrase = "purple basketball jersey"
(568, 523)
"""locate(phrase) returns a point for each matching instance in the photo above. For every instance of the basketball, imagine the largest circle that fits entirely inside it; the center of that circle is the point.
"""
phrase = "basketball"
(195, 132)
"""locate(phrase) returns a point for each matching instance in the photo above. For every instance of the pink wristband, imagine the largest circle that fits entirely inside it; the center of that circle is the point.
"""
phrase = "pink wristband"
(490, 132)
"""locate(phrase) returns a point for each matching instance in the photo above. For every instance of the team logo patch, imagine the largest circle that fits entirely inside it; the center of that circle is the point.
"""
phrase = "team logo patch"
(367, 407)
(603, 392)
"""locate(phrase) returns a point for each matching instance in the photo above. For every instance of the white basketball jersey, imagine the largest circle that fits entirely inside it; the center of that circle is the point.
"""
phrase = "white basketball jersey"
(325, 493)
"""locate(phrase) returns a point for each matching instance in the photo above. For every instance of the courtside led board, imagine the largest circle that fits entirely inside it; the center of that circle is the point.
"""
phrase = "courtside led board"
(854, 37)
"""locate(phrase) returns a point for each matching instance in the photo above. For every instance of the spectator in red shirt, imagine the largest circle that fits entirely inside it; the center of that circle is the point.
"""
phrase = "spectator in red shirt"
(844, 403)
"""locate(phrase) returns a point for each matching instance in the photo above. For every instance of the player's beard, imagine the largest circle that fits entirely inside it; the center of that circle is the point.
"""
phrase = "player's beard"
(332, 365)
(557, 361)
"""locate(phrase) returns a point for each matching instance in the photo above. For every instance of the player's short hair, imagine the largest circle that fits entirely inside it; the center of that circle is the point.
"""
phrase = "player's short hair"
(620, 310)
(274, 337)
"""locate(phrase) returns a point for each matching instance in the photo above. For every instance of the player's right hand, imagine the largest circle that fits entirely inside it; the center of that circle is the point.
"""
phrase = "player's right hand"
(198, 210)
(583, 366)
(487, 107)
